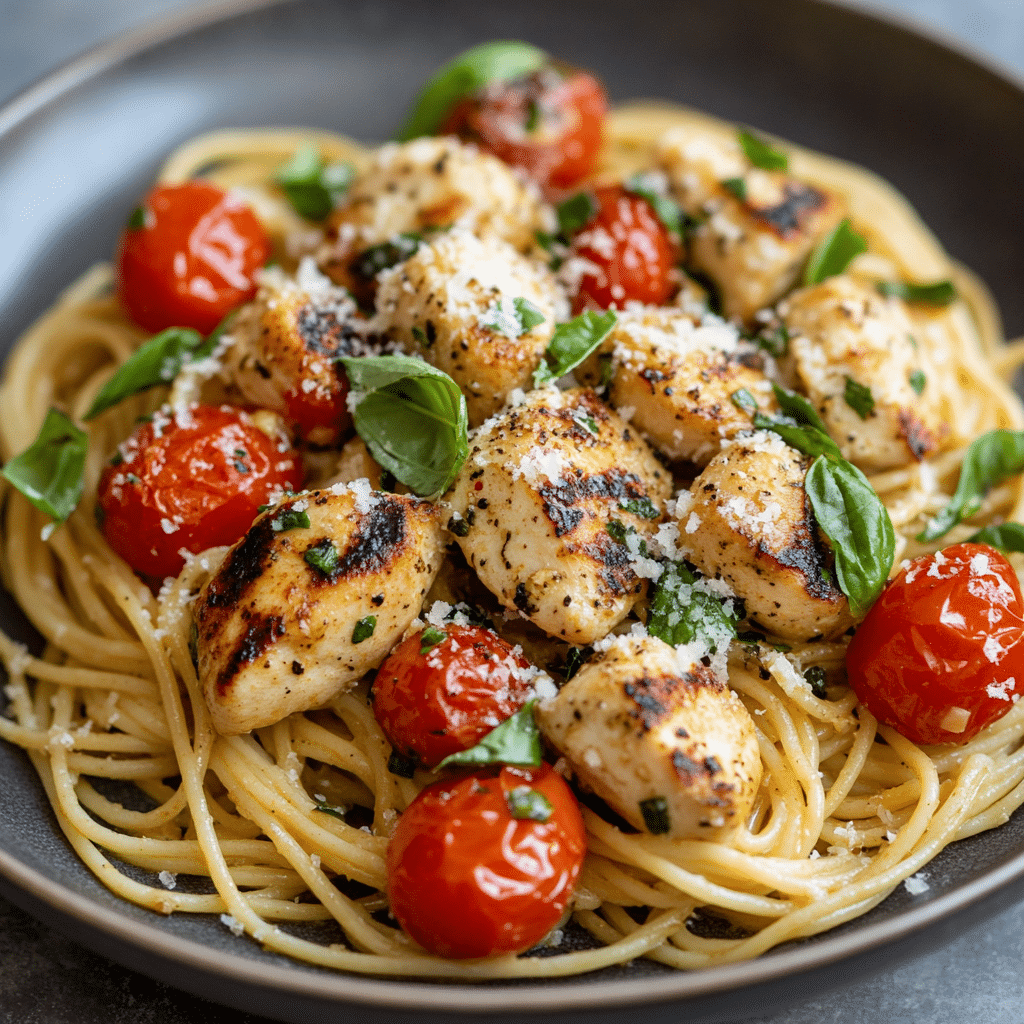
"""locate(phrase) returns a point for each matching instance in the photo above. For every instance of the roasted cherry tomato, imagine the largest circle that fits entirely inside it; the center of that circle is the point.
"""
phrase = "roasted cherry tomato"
(188, 256)
(547, 123)
(471, 874)
(190, 480)
(443, 690)
(940, 654)
(630, 250)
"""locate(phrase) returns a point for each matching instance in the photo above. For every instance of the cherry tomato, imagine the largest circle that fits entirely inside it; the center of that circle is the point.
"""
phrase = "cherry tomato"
(547, 123)
(630, 250)
(467, 879)
(188, 258)
(434, 699)
(193, 481)
(939, 655)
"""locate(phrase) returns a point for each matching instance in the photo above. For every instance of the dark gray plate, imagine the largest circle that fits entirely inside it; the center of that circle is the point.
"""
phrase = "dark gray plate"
(78, 150)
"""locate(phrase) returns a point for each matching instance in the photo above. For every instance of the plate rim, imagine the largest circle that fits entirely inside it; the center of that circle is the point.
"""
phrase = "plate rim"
(454, 995)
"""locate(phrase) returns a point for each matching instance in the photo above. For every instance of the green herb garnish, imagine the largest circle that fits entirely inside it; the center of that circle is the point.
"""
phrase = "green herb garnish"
(667, 210)
(512, 318)
(289, 519)
(917, 381)
(681, 612)
(364, 628)
(859, 398)
(516, 741)
(938, 293)
(431, 637)
(655, 812)
(571, 343)
(834, 253)
(530, 804)
(642, 507)
(313, 187)
(761, 153)
(575, 212)
(737, 186)
(815, 677)
(323, 556)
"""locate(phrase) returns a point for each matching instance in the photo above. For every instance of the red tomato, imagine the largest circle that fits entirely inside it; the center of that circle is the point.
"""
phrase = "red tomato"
(192, 259)
(939, 655)
(190, 481)
(447, 699)
(631, 252)
(547, 123)
(467, 879)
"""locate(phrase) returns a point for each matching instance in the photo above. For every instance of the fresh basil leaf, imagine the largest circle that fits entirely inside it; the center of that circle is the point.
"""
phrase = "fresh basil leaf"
(516, 741)
(481, 65)
(575, 212)
(1005, 536)
(665, 208)
(655, 812)
(431, 637)
(138, 218)
(991, 459)
(850, 514)
(761, 153)
(737, 186)
(572, 343)
(323, 556)
(642, 507)
(156, 361)
(938, 293)
(774, 340)
(529, 804)
(833, 254)
(49, 472)
(815, 677)
(289, 519)
(681, 613)
(511, 318)
(312, 186)
(370, 262)
(744, 400)
(917, 381)
(859, 398)
(412, 417)
(617, 531)
(363, 629)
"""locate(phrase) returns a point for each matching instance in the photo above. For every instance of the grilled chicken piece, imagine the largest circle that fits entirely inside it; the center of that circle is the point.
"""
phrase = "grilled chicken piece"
(453, 301)
(748, 520)
(532, 504)
(296, 613)
(843, 331)
(755, 233)
(284, 349)
(643, 723)
(672, 377)
(433, 183)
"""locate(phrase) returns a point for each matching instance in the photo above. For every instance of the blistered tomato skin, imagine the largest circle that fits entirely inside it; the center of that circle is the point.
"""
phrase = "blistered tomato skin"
(193, 480)
(435, 702)
(630, 251)
(940, 655)
(467, 880)
(188, 257)
(548, 124)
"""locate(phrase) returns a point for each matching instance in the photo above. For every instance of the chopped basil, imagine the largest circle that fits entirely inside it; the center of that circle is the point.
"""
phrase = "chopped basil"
(138, 218)
(412, 417)
(312, 186)
(516, 741)
(334, 812)
(744, 400)
(815, 677)
(845, 505)
(512, 319)
(761, 153)
(532, 116)
(289, 519)
(682, 612)
(655, 812)
(430, 638)
(460, 526)
(642, 507)
(370, 262)
(323, 556)
(572, 343)
(400, 765)
(991, 459)
(859, 398)
(833, 254)
(938, 293)
(1005, 536)
(917, 380)
(618, 530)
(530, 804)
(364, 628)
(49, 472)
(774, 340)
(737, 186)
(585, 422)
(575, 212)
(469, 71)
(665, 208)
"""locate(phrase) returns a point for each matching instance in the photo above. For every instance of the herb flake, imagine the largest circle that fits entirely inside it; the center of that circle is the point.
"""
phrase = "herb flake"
(938, 293)
(516, 742)
(656, 817)
(323, 556)
(529, 804)
(571, 343)
(834, 253)
(859, 398)
(364, 628)
(312, 186)
(762, 153)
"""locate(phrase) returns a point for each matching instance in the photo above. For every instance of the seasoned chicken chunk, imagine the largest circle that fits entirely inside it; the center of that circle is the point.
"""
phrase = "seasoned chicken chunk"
(432, 183)
(284, 347)
(659, 737)
(747, 519)
(854, 354)
(672, 376)
(532, 506)
(756, 228)
(297, 612)
(455, 302)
